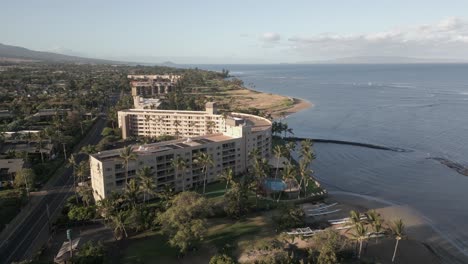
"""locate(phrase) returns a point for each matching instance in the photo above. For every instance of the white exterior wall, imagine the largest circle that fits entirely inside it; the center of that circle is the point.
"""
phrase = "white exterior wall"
(153, 123)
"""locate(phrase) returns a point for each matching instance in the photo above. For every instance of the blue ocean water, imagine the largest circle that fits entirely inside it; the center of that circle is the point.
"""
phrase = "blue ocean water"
(422, 108)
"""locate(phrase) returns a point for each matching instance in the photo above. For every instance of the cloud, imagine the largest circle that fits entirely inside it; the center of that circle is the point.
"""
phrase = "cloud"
(270, 37)
(446, 38)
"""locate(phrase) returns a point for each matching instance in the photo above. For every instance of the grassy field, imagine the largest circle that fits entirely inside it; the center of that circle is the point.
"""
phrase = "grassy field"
(10, 205)
(223, 234)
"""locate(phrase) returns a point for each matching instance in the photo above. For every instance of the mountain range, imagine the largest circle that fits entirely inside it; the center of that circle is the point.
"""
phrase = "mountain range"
(15, 53)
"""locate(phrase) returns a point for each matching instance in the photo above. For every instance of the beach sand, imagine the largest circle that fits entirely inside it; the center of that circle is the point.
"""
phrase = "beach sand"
(298, 105)
(279, 106)
(422, 244)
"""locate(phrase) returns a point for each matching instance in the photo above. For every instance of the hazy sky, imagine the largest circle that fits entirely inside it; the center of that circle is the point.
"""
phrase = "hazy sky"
(252, 31)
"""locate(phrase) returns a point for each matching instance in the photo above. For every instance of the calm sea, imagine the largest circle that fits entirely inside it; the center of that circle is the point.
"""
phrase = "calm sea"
(420, 108)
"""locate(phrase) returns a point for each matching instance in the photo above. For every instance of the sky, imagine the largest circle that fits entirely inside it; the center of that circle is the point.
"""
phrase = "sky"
(255, 31)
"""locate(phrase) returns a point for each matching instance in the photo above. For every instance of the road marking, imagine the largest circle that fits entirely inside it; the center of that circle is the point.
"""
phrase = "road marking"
(36, 223)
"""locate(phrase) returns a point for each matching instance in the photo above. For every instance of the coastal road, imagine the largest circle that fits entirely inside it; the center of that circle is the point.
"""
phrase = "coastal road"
(34, 229)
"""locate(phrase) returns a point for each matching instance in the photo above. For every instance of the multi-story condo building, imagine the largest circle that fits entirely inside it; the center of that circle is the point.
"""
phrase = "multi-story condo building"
(152, 123)
(229, 145)
(152, 85)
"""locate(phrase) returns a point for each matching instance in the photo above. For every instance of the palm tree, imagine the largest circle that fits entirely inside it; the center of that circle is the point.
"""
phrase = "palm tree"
(147, 126)
(72, 163)
(227, 175)
(41, 136)
(147, 185)
(360, 234)
(209, 126)
(180, 165)
(88, 149)
(306, 146)
(278, 151)
(127, 154)
(118, 222)
(177, 124)
(290, 147)
(398, 229)
(374, 219)
(304, 172)
(205, 160)
(132, 191)
(355, 217)
(166, 195)
(86, 194)
(289, 173)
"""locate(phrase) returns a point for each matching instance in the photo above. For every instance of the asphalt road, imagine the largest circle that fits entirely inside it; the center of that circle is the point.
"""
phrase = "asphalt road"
(33, 230)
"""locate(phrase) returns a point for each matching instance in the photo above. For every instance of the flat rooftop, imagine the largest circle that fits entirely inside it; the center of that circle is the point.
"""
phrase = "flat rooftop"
(149, 149)
(255, 122)
(11, 165)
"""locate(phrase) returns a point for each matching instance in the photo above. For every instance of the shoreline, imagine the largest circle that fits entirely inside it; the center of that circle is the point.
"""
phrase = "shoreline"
(299, 104)
(416, 225)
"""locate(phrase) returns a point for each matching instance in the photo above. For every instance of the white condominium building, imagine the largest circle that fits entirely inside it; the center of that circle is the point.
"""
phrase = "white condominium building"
(153, 123)
(229, 143)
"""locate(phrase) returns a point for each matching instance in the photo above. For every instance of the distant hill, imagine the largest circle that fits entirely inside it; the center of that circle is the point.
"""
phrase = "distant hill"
(15, 53)
(381, 60)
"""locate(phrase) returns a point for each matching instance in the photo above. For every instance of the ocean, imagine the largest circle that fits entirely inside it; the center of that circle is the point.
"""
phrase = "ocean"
(420, 108)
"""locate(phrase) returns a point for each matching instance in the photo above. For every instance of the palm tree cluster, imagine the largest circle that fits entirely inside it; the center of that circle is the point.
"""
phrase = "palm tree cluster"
(361, 232)
(279, 128)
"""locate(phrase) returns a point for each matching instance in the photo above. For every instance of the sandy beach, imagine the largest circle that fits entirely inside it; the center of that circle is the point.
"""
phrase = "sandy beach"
(298, 105)
(423, 244)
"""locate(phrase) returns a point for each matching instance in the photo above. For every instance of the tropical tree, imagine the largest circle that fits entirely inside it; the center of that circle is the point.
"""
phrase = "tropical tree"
(204, 160)
(355, 217)
(132, 191)
(74, 165)
(360, 234)
(147, 186)
(184, 221)
(398, 229)
(166, 195)
(288, 175)
(82, 171)
(118, 224)
(179, 164)
(375, 221)
(209, 126)
(227, 175)
(278, 151)
(41, 136)
(127, 154)
(86, 194)
(24, 177)
(289, 148)
(305, 173)
(176, 125)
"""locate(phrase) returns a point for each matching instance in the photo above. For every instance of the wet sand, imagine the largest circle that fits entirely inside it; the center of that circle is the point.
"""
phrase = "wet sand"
(423, 244)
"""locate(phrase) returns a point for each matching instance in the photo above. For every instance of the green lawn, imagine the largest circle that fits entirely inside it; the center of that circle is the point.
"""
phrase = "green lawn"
(10, 205)
(152, 246)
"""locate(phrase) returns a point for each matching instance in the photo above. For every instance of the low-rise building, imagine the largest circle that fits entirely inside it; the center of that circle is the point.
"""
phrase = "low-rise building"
(229, 144)
(9, 168)
(50, 114)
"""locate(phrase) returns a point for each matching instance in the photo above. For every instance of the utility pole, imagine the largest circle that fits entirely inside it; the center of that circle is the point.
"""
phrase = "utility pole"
(26, 184)
(64, 151)
(48, 215)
